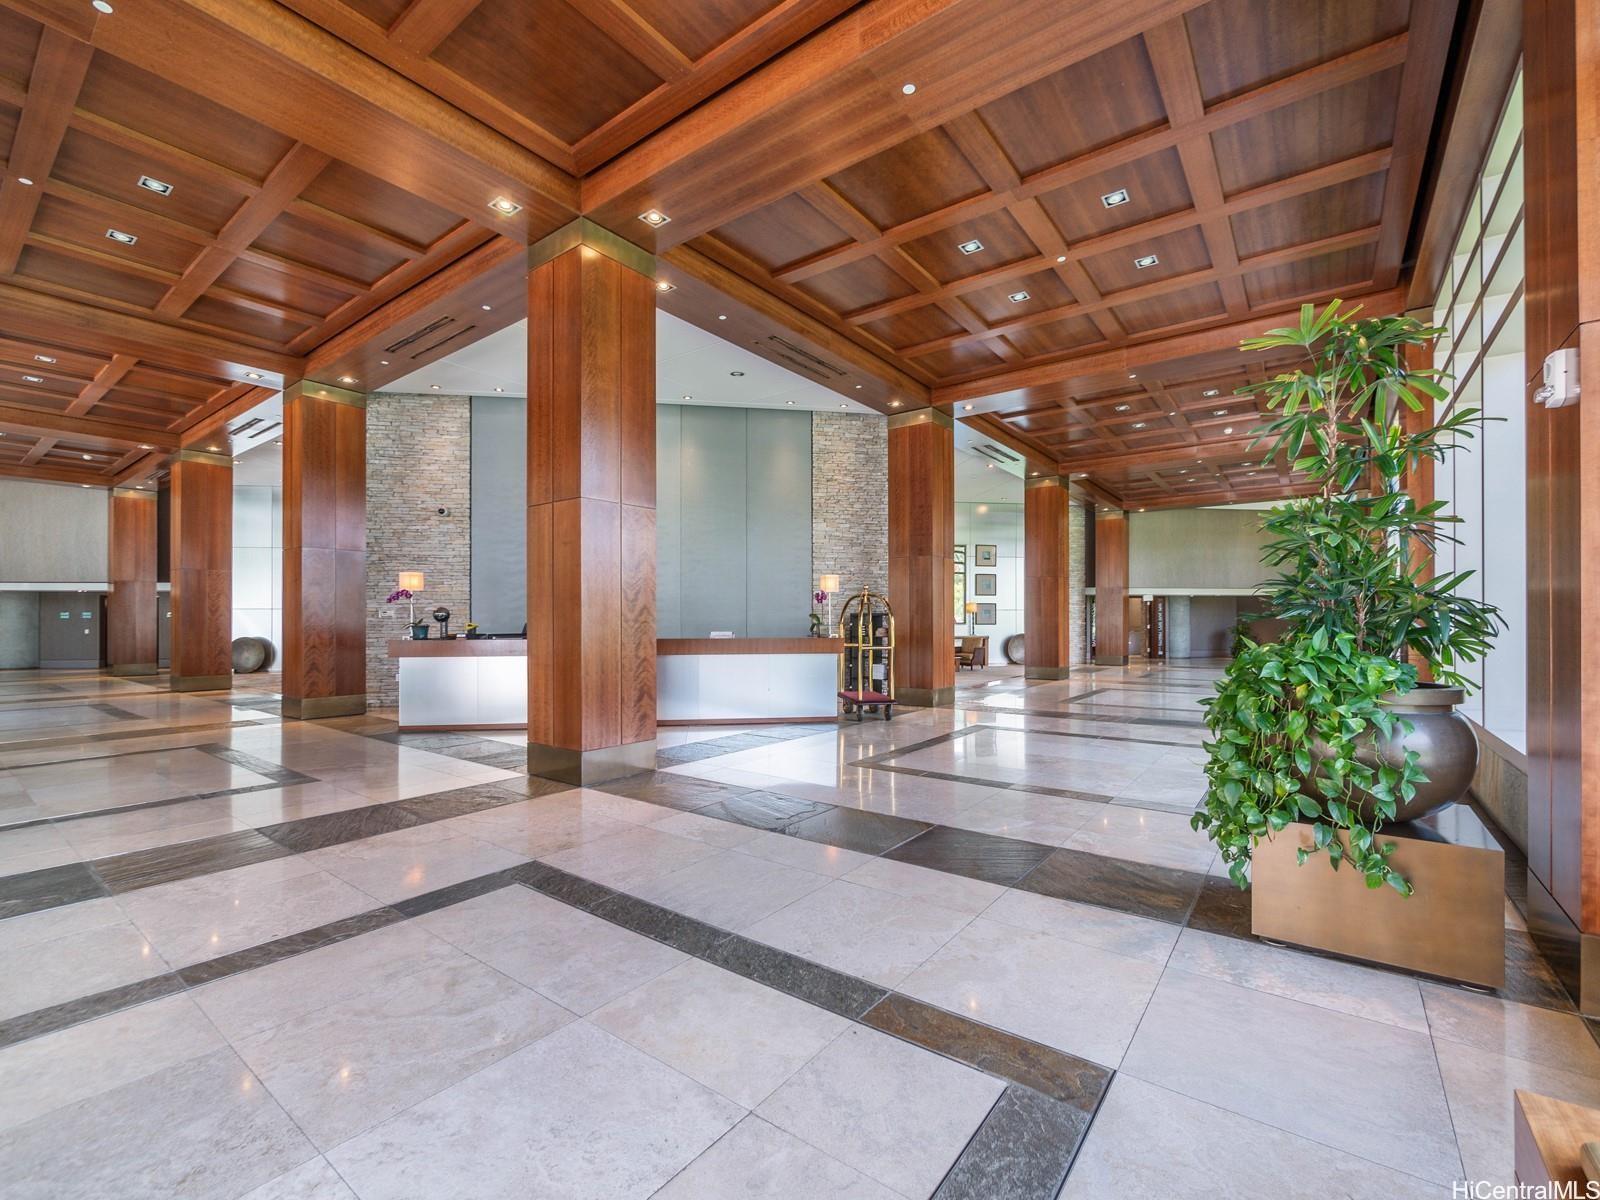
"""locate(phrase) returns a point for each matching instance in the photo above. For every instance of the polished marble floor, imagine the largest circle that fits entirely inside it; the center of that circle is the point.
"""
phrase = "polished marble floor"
(975, 952)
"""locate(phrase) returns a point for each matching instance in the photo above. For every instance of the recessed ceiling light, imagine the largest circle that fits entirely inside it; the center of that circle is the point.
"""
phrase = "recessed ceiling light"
(145, 446)
(722, 316)
(44, 358)
(844, 406)
(347, 379)
(505, 206)
(33, 379)
(654, 217)
(894, 404)
(1227, 429)
(858, 387)
(88, 458)
(1132, 375)
(1219, 412)
(155, 185)
(1138, 424)
(1145, 260)
(487, 307)
(1123, 407)
(1017, 297)
(383, 362)
(1061, 258)
(908, 89)
(1209, 392)
(970, 247)
(433, 387)
(737, 374)
(116, 235)
(663, 286)
(24, 181)
(790, 403)
(101, 6)
(214, 449)
(83, 485)
(968, 407)
(1113, 199)
(688, 397)
(252, 374)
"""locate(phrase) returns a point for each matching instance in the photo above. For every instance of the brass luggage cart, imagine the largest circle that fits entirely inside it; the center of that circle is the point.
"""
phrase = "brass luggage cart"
(866, 667)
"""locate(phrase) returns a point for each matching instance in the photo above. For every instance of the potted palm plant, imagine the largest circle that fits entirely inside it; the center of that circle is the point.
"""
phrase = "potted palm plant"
(1329, 724)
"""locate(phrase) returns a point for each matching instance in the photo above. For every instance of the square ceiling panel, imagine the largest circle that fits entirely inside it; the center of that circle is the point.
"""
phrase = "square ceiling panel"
(1155, 185)
(918, 176)
(1242, 44)
(1356, 204)
(857, 285)
(1001, 238)
(1175, 308)
(1326, 128)
(784, 232)
(1179, 253)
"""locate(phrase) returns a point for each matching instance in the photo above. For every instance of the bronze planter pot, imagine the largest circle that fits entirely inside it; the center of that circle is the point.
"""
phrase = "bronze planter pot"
(1447, 749)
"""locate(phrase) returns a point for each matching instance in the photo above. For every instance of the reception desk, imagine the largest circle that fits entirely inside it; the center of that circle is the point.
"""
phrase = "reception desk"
(482, 683)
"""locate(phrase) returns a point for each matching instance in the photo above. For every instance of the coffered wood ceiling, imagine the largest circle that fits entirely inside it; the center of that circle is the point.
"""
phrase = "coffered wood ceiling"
(333, 166)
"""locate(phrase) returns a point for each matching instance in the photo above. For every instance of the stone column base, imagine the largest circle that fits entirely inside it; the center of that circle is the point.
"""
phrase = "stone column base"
(583, 768)
(1110, 660)
(134, 669)
(201, 683)
(1045, 672)
(316, 708)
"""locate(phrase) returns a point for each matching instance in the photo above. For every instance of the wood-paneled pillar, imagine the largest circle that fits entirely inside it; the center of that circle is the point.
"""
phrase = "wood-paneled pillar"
(922, 537)
(1111, 587)
(201, 499)
(324, 551)
(131, 629)
(591, 507)
(1046, 574)
(1561, 153)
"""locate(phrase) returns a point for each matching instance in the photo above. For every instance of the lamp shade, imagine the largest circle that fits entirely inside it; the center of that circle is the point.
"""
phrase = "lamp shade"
(972, 606)
(828, 583)
(411, 580)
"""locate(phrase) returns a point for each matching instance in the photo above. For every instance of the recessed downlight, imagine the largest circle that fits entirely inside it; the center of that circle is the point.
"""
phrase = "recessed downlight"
(145, 446)
(736, 374)
(790, 403)
(1018, 297)
(722, 316)
(159, 187)
(1209, 392)
(347, 379)
(686, 398)
(33, 379)
(1227, 429)
(102, 6)
(1123, 407)
(1139, 424)
(24, 181)
(433, 387)
(654, 218)
(1219, 412)
(487, 307)
(1145, 260)
(117, 235)
(44, 358)
(88, 458)
(1061, 258)
(908, 89)
(663, 286)
(968, 407)
(894, 404)
(971, 246)
(252, 375)
(1115, 199)
(505, 206)
(1133, 375)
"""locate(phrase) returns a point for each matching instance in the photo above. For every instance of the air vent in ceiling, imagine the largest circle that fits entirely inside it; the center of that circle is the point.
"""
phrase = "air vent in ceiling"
(997, 453)
(424, 332)
(802, 359)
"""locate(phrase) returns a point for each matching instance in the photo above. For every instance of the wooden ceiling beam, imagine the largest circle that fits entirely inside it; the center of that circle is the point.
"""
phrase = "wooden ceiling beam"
(27, 313)
(426, 23)
(1172, 58)
(619, 22)
(106, 378)
(89, 431)
(1236, 449)
(1120, 359)
(41, 473)
(780, 127)
(1311, 81)
(278, 69)
(59, 68)
(291, 176)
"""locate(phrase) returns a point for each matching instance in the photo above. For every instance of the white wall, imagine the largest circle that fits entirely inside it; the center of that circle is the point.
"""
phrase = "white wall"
(999, 525)
(258, 565)
(52, 532)
(1189, 549)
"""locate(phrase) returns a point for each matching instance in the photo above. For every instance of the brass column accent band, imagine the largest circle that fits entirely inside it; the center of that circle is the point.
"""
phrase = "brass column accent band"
(1045, 481)
(1045, 672)
(584, 232)
(586, 767)
(133, 493)
(922, 416)
(135, 669)
(322, 391)
(925, 697)
(201, 683)
(203, 456)
(316, 708)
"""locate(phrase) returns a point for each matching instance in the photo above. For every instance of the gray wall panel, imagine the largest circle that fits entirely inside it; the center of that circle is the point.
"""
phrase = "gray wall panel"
(19, 629)
(713, 467)
(499, 514)
(778, 530)
(69, 629)
(669, 513)
(1195, 548)
(50, 533)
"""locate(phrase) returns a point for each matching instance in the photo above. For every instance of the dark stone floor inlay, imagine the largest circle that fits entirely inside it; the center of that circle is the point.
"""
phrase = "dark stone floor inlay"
(1162, 893)
(1022, 1151)
(184, 860)
(33, 891)
(799, 977)
(984, 856)
(857, 829)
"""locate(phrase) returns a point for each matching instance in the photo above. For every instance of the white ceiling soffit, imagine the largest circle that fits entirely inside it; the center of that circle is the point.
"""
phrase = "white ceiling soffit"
(689, 363)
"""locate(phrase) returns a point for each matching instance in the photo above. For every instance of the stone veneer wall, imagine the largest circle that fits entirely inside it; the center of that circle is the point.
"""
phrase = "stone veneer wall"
(419, 459)
(1077, 558)
(850, 501)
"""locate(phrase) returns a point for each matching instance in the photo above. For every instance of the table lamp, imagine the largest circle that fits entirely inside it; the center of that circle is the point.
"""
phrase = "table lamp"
(972, 615)
(828, 585)
(411, 581)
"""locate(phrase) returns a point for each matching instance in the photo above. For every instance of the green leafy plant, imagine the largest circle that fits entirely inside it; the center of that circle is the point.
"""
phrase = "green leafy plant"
(1291, 720)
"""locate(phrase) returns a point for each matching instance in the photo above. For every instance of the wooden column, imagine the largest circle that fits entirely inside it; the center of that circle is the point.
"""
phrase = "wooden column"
(202, 571)
(324, 551)
(131, 629)
(1111, 587)
(591, 507)
(922, 537)
(1047, 587)
(1561, 149)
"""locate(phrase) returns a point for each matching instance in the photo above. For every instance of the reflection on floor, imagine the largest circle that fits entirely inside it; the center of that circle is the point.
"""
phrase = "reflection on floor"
(972, 952)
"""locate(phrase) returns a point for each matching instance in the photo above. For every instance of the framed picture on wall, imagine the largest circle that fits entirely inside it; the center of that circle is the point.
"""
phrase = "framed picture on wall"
(987, 614)
(985, 556)
(985, 585)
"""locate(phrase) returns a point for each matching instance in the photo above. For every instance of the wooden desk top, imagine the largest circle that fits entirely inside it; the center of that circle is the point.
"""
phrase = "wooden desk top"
(518, 647)
(796, 645)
